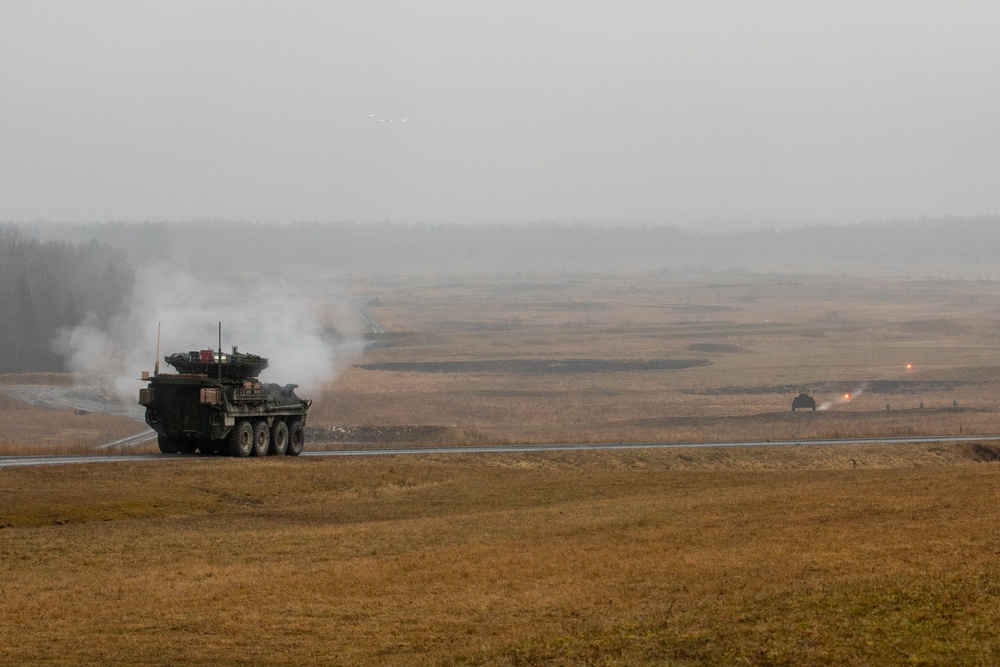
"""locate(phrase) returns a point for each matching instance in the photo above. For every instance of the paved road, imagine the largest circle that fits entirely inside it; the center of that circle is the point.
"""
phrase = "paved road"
(15, 461)
(131, 441)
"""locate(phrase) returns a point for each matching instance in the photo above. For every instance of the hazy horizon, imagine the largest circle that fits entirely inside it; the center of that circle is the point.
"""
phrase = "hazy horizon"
(705, 116)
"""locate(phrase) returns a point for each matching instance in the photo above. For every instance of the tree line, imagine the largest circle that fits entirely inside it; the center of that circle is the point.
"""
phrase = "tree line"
(934, 243)
(48, 285)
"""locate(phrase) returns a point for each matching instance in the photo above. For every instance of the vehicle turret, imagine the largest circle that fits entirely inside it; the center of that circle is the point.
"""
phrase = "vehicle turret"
(218, 364)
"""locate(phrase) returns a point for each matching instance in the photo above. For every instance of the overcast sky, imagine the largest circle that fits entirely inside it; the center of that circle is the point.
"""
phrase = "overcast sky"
(695, 113)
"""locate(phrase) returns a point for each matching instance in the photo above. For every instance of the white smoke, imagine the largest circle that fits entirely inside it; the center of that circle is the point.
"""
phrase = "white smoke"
(844, 398)
(276, 318)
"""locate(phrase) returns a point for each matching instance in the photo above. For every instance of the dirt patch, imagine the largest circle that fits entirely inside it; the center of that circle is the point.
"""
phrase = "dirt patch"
(983, 453)
(537, 366)
(500, 325)
(384, 435)
(698, 308)
(720, 348)
(754, 423)
(934, 327)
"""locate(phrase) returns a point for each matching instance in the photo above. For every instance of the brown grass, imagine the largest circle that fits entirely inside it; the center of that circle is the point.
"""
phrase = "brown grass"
(765, 336)
(25, 429)
(763, 557)
(839, 555)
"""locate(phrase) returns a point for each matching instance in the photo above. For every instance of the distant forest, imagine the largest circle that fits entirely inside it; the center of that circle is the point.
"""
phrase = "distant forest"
(934, 247)
(55, 275)
(47, 285)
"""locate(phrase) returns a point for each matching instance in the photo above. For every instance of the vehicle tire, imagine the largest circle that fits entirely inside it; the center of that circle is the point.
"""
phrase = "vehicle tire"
(239, 442)
(261, 438)
(296, 438)
(279, 438)
(166, 444)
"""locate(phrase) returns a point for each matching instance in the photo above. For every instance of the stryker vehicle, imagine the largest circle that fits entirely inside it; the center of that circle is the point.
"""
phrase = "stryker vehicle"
(216, 405)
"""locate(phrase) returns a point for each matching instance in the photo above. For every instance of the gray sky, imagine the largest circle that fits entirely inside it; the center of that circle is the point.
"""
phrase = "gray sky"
(689, 113)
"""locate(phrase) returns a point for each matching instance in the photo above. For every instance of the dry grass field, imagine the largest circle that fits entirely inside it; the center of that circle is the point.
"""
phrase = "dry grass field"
(705, 557)
(838, 555)
(534, 360)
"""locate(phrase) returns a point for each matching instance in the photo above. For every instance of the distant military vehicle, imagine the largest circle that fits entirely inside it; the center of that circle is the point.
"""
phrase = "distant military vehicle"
(803, 401)
(216, 405)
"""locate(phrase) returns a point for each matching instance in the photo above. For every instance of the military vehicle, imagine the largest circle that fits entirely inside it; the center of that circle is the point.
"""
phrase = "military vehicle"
(216, 405)
(804, 401)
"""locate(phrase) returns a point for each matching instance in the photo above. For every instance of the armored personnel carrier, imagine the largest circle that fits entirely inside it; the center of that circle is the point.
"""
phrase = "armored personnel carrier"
(216, 405)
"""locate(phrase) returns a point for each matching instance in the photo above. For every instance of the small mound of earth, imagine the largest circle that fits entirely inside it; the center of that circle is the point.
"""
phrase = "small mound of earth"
(983, 453)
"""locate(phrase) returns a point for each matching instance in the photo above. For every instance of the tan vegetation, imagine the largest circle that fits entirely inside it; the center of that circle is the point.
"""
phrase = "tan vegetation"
(766, 337)
(25, 429)
(766, 557)
(760, 339)
(834, 555)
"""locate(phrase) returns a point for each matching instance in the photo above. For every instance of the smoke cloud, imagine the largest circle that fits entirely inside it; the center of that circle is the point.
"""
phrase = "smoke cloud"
(844, 398)
(272, 317)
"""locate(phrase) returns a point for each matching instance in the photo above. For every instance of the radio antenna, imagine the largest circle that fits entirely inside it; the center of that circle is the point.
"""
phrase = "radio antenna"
(220, 350)
(156, 362)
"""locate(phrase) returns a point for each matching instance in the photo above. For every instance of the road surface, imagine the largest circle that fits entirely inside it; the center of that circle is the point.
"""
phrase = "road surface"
(16, 461)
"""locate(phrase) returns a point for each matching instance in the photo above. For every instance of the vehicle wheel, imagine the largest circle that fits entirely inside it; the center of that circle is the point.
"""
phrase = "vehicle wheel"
(296, 438)
(279, 438)
(261, 438)
(239, 442)
(166, 445)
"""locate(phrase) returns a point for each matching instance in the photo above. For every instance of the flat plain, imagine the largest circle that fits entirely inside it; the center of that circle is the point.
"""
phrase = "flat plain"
(838, 555)
(675, 358)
